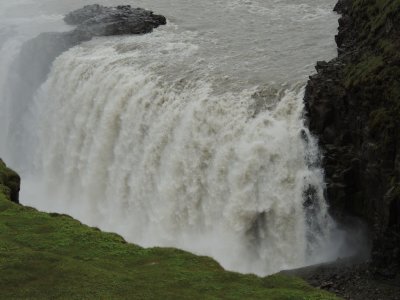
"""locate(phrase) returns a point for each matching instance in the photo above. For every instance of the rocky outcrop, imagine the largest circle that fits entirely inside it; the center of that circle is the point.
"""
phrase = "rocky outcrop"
(353, 106)
(95, 20)
(9, 183)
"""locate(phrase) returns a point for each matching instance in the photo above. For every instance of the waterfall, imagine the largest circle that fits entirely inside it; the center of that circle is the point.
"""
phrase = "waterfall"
(178, 138)
(173, 162)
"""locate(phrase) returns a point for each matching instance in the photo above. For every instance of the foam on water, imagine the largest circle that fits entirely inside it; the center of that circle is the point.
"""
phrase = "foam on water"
(185, 138)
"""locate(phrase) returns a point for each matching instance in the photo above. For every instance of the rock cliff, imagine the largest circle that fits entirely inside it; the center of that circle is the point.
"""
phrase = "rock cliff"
(353, 106)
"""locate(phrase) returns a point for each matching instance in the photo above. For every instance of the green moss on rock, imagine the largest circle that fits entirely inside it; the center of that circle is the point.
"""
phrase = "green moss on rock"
(9, 182)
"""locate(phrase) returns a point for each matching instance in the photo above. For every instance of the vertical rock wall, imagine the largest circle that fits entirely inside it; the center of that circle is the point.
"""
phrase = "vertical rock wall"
(353, 106)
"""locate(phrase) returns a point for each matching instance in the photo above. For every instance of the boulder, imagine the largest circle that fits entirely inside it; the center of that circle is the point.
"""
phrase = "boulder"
(97, 20)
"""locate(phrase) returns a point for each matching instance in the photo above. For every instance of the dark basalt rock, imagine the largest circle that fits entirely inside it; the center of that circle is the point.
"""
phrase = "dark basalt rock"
(353, 106)
(100, 20)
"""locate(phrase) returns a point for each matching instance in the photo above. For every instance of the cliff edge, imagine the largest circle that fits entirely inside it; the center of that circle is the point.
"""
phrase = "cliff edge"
(52, 256)
(353, 106)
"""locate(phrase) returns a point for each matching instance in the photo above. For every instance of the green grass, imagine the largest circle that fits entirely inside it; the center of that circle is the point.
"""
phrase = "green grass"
(50, 256)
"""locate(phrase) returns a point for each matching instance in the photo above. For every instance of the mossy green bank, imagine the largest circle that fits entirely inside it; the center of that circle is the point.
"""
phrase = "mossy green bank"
(51, 256)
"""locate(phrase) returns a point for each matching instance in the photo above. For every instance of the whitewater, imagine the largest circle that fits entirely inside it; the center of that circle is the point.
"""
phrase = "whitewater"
(192, 136)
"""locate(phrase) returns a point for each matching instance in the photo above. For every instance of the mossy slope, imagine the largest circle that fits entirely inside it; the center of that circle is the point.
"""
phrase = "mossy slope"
(51, 256)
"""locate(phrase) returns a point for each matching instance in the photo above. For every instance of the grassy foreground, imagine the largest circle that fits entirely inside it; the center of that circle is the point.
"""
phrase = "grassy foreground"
(51, 256)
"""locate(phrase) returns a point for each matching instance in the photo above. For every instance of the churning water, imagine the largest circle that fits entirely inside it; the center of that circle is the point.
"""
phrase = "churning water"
(191, 136)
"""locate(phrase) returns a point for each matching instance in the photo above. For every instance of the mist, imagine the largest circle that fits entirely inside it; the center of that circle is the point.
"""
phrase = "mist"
(186, 137)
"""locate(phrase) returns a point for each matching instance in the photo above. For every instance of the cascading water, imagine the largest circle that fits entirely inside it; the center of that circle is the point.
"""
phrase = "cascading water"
(155, 138)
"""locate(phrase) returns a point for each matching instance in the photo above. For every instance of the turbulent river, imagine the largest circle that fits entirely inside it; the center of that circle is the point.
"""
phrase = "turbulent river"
(192, 136)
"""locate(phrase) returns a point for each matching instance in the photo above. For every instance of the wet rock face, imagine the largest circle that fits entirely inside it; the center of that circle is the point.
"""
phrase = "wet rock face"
(97, 20)
(353, 106)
